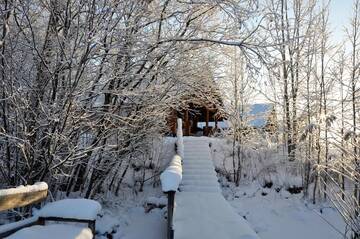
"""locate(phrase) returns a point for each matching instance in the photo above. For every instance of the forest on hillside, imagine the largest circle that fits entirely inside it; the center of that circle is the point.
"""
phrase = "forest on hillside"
(87, 86)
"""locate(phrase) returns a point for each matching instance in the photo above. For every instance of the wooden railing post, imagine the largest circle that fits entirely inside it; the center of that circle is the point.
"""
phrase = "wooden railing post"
(179, 140)
(171, 204)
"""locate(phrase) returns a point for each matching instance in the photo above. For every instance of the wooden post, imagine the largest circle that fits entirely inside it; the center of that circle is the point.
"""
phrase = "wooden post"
(170, 212)
(173, 122)
(92, 228)
(216, 122)
(41, 221)
(194, 126)
(207, 122)
(187, 124)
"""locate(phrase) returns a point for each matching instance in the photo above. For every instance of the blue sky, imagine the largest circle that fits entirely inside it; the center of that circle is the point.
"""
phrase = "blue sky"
(340, 13)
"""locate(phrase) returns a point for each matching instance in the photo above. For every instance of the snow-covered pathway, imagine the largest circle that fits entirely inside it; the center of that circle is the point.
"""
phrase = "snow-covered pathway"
(201, 210)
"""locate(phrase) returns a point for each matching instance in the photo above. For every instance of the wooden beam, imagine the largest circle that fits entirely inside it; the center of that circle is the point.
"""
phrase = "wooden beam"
(10, 201)
(91, 223)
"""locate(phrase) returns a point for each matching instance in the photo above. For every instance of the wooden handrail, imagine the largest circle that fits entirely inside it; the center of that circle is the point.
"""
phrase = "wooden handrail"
(22, 196)
(171, 179)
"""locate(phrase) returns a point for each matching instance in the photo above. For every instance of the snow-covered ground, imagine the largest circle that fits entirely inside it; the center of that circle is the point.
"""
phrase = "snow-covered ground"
(275, 215)
(133, 223)
(124, 217)
(272, 212)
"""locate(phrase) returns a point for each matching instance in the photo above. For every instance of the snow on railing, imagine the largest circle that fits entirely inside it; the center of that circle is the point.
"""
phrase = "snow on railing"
(172, 175)
(40, 186)
(179, 139)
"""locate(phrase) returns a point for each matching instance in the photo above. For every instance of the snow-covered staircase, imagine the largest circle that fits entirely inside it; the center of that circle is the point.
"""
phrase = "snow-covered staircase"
(198, 169)
(201, 211)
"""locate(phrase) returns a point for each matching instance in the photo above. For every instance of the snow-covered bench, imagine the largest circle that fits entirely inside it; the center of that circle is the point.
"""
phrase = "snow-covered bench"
(67, 210)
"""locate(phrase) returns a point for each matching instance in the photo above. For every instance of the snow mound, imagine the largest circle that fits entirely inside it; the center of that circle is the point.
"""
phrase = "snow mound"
(11, 226)
(40, 186)
(71, 208)
(54, 231)
(161, 201)
(171, 177)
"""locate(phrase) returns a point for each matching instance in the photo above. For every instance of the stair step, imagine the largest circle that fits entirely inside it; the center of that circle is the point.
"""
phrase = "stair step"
(191, 158)
(197, 157)
(197, 162)
(197, 177)
(195, 171)
(200, 183)
(200, 189)
(208, 168)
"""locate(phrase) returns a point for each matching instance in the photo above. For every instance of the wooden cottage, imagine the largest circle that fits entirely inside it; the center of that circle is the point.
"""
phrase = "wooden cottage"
(200, 115)
(198, 120)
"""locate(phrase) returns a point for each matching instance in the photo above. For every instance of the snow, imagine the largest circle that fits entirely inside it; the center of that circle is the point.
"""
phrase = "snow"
(124, 216)
(273, 216)
(10, 226)
(158, 201)
(71, 208)
(172, 175)
(198, 168)
(140, 225)
(210, 216)
(201, 210)
(283, 215)
(39, 186)
(54, 231)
